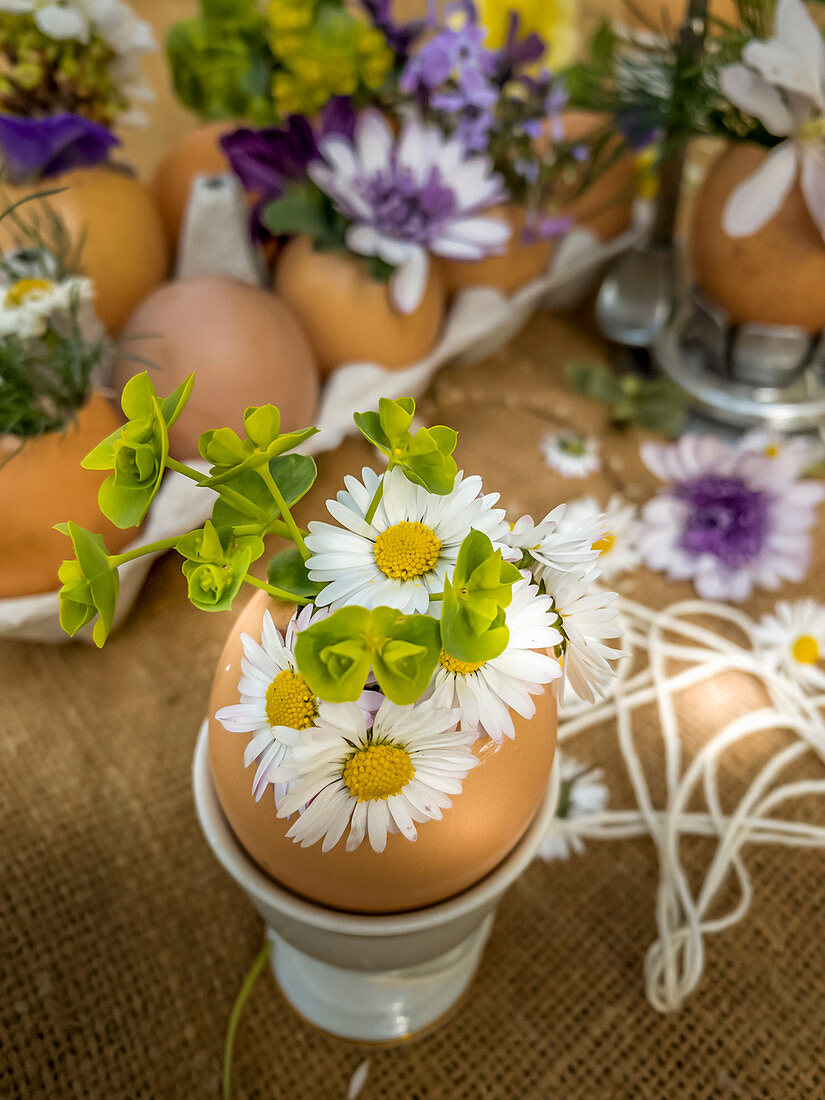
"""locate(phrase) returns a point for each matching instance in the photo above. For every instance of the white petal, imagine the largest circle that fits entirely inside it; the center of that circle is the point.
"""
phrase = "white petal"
(409, 282)
(754, 95)
(755, 201)
(813, 185)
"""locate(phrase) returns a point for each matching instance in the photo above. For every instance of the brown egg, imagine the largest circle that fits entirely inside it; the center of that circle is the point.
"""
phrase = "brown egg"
(606, 206)
(242, 342)
(500, 797)
(517, 265)
(777, 275)
(196, 153)
(348, 316)
(113, 216)
(43, 484)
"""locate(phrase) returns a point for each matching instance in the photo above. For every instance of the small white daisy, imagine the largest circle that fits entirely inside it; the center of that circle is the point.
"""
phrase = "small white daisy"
(275, 700)
(793, 640)
(555, 543)
(793, 453)
(404, 553)
(377, 781)
(617, 542)
(485, 692)
(28, 305)
(582, 794)
(587, 617)
(571, 454)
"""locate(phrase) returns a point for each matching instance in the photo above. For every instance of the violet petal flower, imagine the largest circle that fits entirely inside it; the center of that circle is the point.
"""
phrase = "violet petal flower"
(400, 36)
(34, 148)
(519, 51)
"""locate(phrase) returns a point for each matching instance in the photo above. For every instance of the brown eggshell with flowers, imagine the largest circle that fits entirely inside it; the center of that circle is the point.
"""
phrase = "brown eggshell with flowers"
(500, 798)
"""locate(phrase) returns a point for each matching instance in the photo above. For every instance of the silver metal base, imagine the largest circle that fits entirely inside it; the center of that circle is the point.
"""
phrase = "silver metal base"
(797, 406)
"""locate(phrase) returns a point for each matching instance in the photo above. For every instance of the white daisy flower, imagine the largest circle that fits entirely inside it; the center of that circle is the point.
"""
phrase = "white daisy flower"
(375, 782)
(404, 553)
(617, 542)
(570, 454)
(792, 453)
(275, 700)
(485, 692)
(588, 617)
(792, 639)
(28, 305)
(582, 794)
(555, 543)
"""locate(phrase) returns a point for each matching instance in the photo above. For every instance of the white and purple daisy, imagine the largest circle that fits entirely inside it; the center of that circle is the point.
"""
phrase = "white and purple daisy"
(410, 196)
(732, 520)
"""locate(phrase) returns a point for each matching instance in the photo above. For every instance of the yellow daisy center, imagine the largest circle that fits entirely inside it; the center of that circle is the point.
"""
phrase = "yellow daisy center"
(806, 650)
(378, 772)
(605, 544)
(460, 668)
(19, 291)
(812, 130)
(771, 451)
(289, 702)
(406, 550)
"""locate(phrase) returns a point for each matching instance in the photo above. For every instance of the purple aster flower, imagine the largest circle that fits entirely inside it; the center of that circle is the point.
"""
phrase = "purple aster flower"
(410, 196)
(731, 521)
(34, 148)
(517, 51)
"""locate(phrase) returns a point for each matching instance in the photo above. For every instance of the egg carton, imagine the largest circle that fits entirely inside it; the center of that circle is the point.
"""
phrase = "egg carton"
(179, 506)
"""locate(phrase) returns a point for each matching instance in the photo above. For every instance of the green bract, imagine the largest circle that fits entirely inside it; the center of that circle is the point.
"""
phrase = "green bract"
(335, 655)
(472, 619)
(230, 455)
(137, 452)
(426, 458)
(89, 584)
(216, 564)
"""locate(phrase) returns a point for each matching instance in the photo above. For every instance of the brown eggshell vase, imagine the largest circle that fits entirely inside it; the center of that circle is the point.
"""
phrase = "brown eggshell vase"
(500, 798)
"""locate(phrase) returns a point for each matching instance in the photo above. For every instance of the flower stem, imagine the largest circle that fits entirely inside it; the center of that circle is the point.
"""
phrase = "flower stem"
(276, 593)
(376, 500)
(286, 515)
(229, 495)
(163, 544)
(249, 981)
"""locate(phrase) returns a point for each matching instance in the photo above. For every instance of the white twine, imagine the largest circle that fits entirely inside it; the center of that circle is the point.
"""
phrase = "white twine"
(675, 961)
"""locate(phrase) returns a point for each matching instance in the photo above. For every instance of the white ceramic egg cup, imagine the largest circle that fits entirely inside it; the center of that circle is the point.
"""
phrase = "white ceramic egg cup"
(368, 978)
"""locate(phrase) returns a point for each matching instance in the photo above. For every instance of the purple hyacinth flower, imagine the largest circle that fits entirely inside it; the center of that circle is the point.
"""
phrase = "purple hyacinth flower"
(400, 36)
(35, 148)
(517, 52)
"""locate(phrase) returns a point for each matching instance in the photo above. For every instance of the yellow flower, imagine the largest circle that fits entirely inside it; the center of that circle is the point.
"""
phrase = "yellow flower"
(554, 20)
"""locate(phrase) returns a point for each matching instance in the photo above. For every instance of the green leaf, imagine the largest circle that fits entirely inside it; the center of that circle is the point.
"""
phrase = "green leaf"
(369, 425)
(333, 656)
(288, 571)
(90, 584)
(657, 404)
(301, 211)
(293, 474)
(262, 425)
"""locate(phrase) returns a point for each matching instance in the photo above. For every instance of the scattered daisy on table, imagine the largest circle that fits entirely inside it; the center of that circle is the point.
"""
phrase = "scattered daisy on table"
(571, 454)
(792, 640)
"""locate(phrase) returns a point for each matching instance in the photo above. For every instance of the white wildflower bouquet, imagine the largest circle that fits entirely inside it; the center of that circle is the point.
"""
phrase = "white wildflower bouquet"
(424, 618)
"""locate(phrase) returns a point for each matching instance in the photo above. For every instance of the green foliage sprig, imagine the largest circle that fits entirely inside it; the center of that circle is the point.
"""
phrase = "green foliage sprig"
(257, 480)
(657, 404)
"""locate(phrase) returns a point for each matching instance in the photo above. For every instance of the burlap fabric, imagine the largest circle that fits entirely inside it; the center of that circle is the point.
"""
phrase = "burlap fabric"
(124, 943)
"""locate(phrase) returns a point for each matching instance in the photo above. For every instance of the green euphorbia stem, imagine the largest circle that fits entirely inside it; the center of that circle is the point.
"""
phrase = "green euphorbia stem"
(140, 551)
(276, 593)
(286, 515)
(229, 495)
(376, 500)
(235, 1016)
